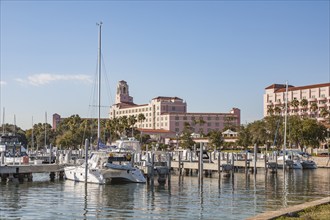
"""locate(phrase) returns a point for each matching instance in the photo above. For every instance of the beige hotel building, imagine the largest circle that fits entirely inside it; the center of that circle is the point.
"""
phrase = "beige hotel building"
(168, 115)
(312, 100)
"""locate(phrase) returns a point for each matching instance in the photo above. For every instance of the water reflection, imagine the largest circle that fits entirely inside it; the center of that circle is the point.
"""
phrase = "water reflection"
(235, 197)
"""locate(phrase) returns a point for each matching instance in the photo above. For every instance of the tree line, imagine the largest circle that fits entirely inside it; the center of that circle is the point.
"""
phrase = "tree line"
(72, 132)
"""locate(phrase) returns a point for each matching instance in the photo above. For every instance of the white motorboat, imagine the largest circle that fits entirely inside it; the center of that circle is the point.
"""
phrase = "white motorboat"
(106, 167)
(289, 162)
(12, 149)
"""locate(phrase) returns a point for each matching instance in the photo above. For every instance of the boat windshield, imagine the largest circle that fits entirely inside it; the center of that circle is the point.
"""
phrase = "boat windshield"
(129, 145)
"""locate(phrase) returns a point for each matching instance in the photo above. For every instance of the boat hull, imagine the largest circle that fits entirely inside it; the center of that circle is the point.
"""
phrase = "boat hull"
(105, 175)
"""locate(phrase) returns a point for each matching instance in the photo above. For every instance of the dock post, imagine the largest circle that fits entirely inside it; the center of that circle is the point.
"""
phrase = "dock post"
(52, 176)
(152, 169)
(169, 169)
(233, 161)
(266, 169)
(200, 172)
(180, 171)
(255, 159)
(219, 163)
(276, 161)
(246, 159)
(86, 159)
(2, 162)
(50, 153)
(61, 175)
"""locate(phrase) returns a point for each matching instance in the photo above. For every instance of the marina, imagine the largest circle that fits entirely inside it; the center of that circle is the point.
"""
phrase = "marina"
(182, 134)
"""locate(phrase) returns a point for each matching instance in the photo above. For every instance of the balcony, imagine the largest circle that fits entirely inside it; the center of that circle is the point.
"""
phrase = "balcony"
(312, 99)
(321, 98)
(321, 105)
(278, 103)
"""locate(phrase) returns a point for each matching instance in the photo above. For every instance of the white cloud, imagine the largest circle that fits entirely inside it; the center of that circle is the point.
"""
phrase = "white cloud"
(46, 78)
(3, 83)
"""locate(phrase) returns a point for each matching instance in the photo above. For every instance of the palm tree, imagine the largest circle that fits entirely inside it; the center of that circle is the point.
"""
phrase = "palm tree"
(295, 104)
(215, 139)
(270, 110)
(324, 113)
(277, 110)
(131, 122)
(304, 104)
(199, 122)
(141, 118)
(244, 137)
(314, 108)
(186, 139)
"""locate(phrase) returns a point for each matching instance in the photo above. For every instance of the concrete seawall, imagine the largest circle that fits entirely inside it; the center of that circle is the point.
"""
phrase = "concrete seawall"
(322, 162)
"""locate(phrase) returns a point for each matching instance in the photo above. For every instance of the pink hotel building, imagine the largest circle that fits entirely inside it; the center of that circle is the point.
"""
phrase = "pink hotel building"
(316, 100)
(167, 115)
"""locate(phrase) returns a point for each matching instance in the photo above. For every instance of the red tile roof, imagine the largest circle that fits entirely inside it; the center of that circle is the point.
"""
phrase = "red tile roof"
(281, 87)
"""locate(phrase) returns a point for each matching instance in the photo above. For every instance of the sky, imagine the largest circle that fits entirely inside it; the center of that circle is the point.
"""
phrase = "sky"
(215, 55)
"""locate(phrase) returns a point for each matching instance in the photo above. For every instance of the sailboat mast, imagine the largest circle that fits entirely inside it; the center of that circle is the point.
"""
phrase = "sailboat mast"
(99, 87)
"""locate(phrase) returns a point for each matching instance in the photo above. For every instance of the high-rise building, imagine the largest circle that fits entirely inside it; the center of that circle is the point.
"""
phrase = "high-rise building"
(169, 114)
(306, 101)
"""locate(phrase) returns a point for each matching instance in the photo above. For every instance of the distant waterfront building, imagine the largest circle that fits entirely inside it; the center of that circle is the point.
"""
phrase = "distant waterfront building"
(56, 120)
(306, 101)
(169, 114)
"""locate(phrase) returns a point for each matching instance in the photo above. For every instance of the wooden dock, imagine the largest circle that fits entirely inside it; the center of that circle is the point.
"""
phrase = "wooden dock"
(21, 172)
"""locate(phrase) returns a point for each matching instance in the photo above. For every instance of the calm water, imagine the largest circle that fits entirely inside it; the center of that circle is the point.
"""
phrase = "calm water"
(226, 198)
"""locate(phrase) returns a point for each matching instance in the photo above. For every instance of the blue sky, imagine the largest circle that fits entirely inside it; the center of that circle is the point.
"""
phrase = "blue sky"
(213, 54)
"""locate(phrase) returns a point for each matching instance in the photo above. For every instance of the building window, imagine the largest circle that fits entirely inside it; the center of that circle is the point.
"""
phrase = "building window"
(184, 117)
(209, 118)
(177, 129)
(177, 118)
(193, 118)
(209, 124)
(173, 108)
(176, 123)
(217, 124)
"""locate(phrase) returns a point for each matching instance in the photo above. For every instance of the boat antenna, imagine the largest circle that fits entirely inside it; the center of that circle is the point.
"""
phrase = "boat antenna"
(99, 86)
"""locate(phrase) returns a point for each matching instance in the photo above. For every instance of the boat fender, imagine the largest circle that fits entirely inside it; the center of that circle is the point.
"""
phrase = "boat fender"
(128, 157)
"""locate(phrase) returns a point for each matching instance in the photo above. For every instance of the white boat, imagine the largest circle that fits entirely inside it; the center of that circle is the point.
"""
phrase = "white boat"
(12, 149)
(106, 167)
(291, 163)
